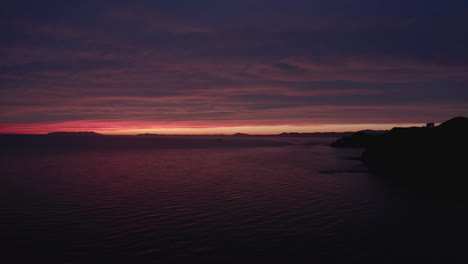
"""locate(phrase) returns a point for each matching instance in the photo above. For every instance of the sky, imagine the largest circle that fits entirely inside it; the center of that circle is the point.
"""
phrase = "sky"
(222, 66)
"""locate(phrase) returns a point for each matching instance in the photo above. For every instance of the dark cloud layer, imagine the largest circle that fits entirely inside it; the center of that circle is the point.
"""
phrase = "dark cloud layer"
(233, 62)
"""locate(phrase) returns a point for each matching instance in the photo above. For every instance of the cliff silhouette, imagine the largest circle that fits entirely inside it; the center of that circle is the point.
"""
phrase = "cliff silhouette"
(423, 149)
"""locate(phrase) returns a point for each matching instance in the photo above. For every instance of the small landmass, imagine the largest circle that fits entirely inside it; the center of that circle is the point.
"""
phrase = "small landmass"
(83, 133)
(148, 135)
(241, 135)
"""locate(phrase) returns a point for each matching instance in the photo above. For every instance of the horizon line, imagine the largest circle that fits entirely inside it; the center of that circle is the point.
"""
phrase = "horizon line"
(271, 130)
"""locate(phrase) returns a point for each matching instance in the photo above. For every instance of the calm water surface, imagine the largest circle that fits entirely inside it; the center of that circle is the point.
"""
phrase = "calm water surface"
(196, 204)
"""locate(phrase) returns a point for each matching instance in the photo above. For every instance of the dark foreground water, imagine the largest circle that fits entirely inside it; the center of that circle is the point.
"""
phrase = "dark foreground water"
(216, 201)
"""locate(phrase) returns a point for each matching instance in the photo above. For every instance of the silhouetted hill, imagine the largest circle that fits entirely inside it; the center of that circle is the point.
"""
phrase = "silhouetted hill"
(424, 149)
(374, 132)
(457, 124)
(84, 133)
(360, 139)
(357, 140)
(240, 135)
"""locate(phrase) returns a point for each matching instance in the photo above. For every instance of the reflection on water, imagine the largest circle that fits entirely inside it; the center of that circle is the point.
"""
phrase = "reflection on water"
(213, 204)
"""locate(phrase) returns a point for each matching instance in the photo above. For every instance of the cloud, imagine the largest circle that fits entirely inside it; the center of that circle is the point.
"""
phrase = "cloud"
(240, 62)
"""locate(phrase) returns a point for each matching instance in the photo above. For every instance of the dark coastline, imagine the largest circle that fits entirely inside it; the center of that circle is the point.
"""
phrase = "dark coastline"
(431, 158)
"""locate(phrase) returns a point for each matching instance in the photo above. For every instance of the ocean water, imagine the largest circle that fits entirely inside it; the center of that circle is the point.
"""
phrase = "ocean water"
(215, 200)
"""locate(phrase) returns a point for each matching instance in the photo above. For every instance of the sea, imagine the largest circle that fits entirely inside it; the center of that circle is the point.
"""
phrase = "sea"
(215, 199)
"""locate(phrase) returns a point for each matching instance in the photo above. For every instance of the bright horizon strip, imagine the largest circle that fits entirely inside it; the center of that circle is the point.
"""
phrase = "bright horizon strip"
(215, 130)
(258, 130)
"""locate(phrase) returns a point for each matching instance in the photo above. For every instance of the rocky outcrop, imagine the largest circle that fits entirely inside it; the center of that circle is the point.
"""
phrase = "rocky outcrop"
(427, 148)
(442, 148)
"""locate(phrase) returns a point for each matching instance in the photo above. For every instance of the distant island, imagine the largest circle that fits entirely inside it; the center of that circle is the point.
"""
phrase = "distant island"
(241, 135)
(81, 134)
(147, 135)
(424, 149)
(284, 134)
